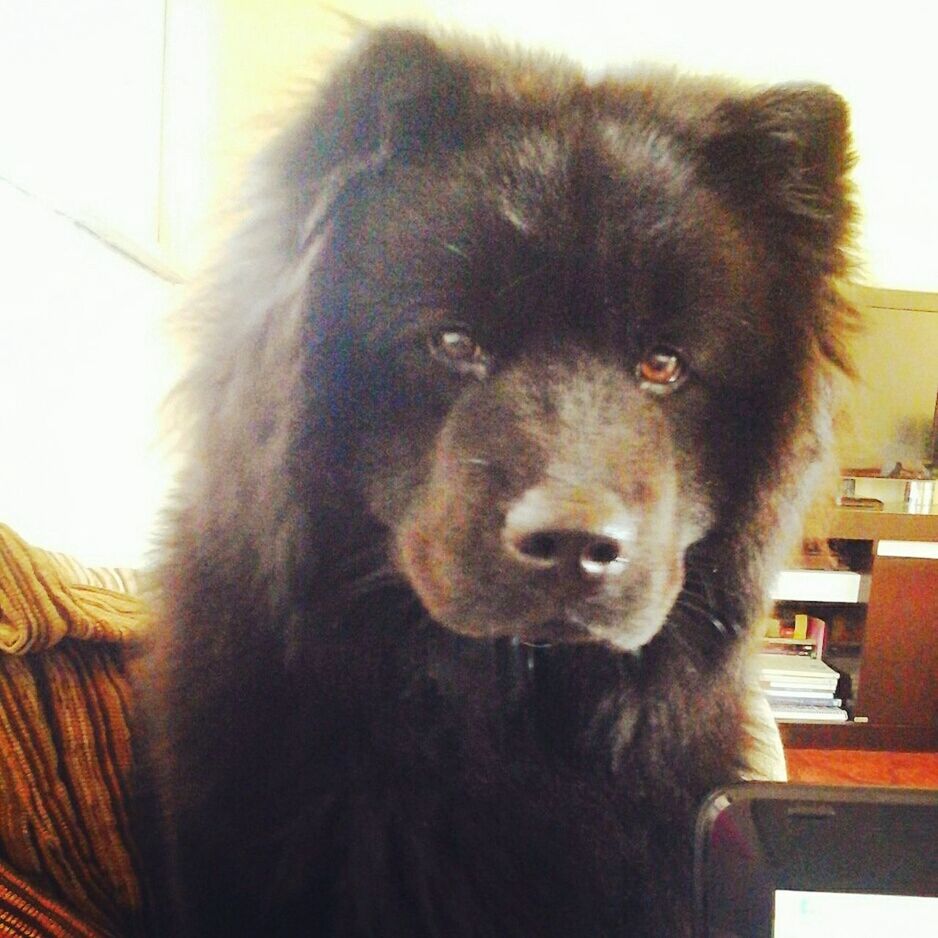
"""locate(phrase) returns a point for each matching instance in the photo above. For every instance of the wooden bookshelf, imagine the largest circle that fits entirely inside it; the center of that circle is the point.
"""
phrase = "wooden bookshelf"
(896, 702)
(851, 524)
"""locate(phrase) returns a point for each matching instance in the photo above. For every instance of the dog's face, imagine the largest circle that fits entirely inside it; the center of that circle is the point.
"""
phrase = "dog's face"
(568, 339)
(553, 320)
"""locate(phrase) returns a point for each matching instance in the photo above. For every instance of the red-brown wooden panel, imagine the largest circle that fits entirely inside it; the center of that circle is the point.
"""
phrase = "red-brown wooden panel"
(899, 674)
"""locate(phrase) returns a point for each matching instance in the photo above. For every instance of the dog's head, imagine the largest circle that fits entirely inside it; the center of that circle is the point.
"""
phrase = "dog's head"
(560, 338)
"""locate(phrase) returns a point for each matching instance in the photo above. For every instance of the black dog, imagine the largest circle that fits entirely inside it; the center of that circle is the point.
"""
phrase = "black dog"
(510, 393)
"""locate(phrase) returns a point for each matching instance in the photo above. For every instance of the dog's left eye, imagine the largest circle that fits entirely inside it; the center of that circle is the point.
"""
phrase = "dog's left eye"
(661, 370)
(457, 349)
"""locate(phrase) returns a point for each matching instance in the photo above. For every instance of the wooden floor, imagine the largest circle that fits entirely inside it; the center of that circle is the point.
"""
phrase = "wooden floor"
(855, 767)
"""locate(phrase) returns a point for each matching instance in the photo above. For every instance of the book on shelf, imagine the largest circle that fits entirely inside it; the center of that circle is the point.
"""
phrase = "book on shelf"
(807, 709)
(812, 670)
(788, 647)
(810, 714)
(797, 695)
(800, 688)
(793, 681)
(801, 635)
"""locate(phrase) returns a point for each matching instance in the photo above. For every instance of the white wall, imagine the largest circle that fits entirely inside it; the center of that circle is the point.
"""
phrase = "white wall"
(80, 103)
(83, 366)
(892, 404)
(82, 361)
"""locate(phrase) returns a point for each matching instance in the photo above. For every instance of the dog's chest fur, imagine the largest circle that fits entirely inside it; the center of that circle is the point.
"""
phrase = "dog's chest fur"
(504, 791)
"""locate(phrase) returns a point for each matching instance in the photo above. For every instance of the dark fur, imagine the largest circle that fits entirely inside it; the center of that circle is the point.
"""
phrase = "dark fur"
(352, 739)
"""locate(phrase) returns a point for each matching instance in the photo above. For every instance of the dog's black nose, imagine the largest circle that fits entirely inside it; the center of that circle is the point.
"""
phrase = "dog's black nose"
(588, 532)
(592, 554)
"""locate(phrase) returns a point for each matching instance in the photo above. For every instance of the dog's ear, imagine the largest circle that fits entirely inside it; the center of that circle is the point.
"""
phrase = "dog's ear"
(783, 154)
(399, 93)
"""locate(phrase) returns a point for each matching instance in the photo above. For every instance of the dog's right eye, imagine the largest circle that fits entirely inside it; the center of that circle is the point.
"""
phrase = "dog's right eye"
(661, 370)
(458, 350)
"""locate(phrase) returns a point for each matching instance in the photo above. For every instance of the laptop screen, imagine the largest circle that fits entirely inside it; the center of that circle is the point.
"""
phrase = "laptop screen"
(800, 914)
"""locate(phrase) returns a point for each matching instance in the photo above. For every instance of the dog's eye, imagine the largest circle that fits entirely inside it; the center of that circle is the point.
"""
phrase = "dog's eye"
(661, 370)
(460, 351)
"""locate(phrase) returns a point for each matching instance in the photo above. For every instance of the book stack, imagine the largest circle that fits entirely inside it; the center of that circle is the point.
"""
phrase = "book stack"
(799, 686)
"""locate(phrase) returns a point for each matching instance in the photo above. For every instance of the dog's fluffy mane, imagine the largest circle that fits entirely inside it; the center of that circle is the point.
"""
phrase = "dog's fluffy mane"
(290, 658)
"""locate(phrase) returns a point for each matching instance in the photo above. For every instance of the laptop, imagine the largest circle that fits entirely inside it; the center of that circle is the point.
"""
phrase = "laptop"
(776, 860)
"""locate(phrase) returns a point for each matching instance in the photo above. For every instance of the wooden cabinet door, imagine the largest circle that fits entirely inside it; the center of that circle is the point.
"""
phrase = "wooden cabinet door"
(899, 673)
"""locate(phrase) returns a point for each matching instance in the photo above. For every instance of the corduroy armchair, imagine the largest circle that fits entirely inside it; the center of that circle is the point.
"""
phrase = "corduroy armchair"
(68, 865)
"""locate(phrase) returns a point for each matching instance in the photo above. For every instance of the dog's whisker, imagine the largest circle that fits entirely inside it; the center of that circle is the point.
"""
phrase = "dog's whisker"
(455, 249)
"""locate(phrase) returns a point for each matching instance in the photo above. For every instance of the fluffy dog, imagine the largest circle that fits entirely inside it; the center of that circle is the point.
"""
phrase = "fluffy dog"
(510, 394)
